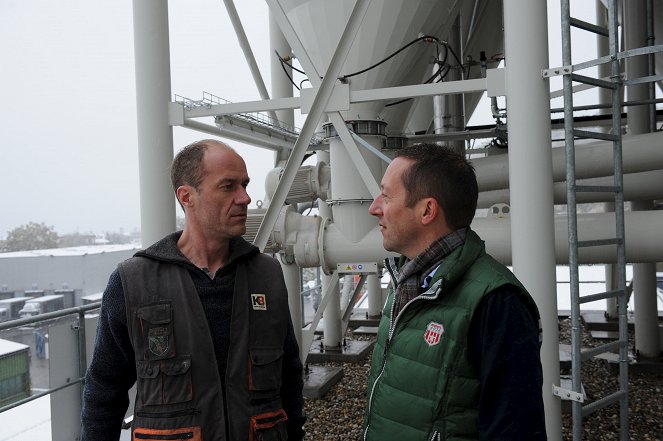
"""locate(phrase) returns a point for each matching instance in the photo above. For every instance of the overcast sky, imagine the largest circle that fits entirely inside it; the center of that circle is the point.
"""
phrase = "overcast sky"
(67, 120)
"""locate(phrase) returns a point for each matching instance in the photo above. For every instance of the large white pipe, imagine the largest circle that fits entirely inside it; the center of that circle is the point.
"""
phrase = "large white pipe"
(155, 135)
(637, 186)
(315, 243)
(640, 153)
(644, 274)
(530, 178)
(644, 241)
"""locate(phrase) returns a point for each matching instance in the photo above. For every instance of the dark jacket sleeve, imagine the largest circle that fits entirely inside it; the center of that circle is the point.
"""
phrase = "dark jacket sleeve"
(292, 385)
(504, 346)
(112, 370)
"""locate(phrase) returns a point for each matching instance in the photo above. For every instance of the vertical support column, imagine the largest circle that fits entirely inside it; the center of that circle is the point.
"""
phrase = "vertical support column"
(452, 105)
(155, 135)
(282, 88)
(332, 316)
(605, 97)
(281, 85)
(638, 120)
(530, 179)
(374, 295)
(291, 274)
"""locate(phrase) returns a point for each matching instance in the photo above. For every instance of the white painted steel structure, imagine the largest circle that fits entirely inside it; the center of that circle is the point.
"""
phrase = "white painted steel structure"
(354, 35)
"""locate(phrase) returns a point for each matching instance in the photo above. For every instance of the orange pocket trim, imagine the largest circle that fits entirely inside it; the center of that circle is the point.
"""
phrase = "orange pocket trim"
(183, 433)
(268, 419)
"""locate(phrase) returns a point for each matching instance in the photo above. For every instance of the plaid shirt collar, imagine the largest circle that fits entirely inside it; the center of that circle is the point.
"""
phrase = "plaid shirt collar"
(412, 272)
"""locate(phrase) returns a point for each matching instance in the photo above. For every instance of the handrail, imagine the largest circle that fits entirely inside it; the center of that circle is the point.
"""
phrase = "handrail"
(48, 316)
(80, 311)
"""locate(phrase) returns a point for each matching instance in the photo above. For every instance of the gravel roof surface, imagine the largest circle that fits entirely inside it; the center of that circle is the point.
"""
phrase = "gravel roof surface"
(338, 415)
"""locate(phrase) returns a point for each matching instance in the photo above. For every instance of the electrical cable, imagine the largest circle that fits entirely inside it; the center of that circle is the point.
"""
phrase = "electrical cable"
(429, 80)
(284, 63)
(288, 74)
(425, 37)
(460, 63)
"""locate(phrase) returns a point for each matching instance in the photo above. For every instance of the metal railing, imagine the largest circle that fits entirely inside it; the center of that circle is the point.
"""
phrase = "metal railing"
(252, 118)
(48, 317)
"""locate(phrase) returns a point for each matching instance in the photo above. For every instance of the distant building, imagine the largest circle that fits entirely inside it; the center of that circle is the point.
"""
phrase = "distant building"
(84, 269)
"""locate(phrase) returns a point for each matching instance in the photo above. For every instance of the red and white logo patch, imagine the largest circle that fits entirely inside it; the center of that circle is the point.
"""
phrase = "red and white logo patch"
(433, 333)
(259, 302)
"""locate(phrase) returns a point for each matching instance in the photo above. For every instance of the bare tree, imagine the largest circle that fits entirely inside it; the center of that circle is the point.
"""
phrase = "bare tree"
(31, 236)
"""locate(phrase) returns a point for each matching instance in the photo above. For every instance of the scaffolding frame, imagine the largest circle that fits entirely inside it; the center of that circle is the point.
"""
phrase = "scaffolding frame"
(614, 84)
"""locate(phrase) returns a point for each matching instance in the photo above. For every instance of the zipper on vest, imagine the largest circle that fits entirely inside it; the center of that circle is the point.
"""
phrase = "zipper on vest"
(386, 344)
(174, 413)
(392, 327)
(436, 436)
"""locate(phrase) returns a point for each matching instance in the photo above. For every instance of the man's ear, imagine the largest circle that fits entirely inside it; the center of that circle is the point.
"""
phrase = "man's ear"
(430, 211)
(183, 194)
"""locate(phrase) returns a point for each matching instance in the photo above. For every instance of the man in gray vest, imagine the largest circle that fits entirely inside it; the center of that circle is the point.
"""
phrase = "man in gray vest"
(200, 322)
(457, 353)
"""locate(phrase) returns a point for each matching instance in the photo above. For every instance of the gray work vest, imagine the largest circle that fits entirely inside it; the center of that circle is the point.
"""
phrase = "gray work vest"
(179, 393)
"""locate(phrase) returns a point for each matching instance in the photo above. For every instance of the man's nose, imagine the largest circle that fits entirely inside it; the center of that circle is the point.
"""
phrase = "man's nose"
(243, 198)
(373, 208)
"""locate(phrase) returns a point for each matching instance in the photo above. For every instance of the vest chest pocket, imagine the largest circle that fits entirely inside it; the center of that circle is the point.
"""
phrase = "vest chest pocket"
(165, 382)
(156, 325)
(265, 369)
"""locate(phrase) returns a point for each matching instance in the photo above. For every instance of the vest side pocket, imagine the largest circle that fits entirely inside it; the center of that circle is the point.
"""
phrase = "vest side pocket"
(165, 382)
(149, 382)
(265, 369)
(177, 385)
(269, 426)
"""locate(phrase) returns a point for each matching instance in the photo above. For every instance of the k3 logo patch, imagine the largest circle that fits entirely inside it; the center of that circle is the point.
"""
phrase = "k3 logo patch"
(259, 302)
(433, 333)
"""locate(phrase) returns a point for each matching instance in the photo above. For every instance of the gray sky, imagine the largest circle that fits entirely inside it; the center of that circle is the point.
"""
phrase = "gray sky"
(67, 123)
(67, 126)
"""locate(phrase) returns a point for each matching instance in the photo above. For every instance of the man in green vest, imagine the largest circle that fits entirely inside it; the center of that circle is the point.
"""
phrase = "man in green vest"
(457, 353)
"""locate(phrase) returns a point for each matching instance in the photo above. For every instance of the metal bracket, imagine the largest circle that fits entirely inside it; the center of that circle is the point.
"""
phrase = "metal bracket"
(565, 394)
(555, 71)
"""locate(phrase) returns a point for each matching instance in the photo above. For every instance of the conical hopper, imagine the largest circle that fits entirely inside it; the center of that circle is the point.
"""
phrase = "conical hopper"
(388, 26)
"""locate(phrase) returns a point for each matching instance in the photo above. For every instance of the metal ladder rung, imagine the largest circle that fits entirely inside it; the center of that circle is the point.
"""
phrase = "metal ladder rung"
(596, 135)
(602, 349)
(600, 296)
(599, 242)
(594, 81)
(603, 402)
(580, 24)
(598, 188)
(641, 80)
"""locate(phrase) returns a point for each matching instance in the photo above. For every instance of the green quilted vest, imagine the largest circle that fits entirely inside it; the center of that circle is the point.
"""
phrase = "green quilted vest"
(421, 386)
